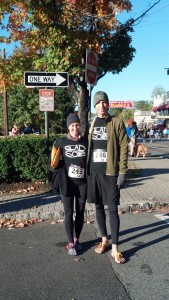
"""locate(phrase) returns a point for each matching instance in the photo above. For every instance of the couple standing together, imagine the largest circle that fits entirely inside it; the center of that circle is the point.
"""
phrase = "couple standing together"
(102, 162)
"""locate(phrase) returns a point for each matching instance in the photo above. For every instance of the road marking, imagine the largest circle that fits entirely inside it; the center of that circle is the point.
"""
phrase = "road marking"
(163, 217)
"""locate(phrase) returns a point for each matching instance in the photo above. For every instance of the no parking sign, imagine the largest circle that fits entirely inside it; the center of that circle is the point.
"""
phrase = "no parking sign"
(46, 100)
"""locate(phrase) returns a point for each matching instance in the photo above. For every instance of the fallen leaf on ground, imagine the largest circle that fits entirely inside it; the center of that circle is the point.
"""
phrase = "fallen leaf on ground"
(53, 222)
(79, 259)
(89, 221)
(17, 223)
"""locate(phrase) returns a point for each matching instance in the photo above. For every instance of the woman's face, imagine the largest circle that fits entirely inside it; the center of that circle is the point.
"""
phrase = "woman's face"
(74, 129)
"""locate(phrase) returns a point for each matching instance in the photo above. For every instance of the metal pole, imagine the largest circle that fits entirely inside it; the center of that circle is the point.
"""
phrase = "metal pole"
(89, 104)
(5, 104)
(46, 125)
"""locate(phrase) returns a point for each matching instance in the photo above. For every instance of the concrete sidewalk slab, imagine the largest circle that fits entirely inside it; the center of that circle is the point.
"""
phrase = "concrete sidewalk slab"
(150, 187)
(147, 190)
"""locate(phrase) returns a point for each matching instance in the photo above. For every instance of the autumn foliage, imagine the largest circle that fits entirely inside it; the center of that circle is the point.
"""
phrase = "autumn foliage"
(51, 35)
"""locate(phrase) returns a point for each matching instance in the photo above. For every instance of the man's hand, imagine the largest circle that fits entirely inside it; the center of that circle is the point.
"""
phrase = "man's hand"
(121, 180)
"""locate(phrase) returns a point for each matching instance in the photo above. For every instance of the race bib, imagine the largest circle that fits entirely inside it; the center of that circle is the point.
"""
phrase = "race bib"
(76, 172)
(99, 155)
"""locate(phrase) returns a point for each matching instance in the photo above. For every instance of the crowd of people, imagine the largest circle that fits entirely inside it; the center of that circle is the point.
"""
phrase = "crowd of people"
(27, 129)
(145, 133)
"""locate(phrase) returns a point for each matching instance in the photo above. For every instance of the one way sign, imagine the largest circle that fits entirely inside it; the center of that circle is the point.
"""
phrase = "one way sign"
(46, 79)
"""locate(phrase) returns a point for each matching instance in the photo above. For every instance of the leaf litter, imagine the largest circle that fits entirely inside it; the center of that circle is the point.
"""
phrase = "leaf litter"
(12, 224)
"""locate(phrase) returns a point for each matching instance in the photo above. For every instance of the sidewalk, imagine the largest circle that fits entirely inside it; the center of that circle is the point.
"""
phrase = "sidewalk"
(148, 189)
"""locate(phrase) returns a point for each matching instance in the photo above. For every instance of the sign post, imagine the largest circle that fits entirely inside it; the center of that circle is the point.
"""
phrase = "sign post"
(90, 74)
(46, 103)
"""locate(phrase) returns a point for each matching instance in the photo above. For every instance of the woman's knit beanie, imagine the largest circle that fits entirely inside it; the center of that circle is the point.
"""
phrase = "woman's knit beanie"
(72, 118)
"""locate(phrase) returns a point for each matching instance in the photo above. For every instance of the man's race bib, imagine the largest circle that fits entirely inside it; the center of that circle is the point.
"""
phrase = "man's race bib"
(75, 171)
(99, 155)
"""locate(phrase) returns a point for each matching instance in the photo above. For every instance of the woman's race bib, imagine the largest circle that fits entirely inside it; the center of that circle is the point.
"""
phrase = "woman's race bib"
(76, 171)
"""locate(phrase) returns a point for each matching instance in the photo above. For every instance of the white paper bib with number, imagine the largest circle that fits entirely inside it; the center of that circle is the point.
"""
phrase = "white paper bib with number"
(99, 155)
(76, 172)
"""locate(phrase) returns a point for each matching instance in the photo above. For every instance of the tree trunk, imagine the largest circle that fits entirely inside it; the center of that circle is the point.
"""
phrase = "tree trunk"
(83, 108)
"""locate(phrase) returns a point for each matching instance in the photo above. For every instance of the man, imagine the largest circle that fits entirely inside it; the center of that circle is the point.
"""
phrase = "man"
(128, 131)
(133, 136)
(107, 166)
(152, 135)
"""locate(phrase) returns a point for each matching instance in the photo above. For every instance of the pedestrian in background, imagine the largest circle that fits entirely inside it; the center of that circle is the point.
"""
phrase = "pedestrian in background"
(133, 137)
(28, 128)
(165, 133)
(152, 135)
(15, 130)
(107, 166)
(72, 182)
(128, 131)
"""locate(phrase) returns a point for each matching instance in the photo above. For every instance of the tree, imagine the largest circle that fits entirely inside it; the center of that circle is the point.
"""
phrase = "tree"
(23, 106)
(143, 105)
(127, 114)
(159, 92)
(115, 111)
(52, 35)
(122, 113)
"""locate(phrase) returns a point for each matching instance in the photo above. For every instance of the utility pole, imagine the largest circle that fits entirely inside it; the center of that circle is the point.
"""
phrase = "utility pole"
(5, 104)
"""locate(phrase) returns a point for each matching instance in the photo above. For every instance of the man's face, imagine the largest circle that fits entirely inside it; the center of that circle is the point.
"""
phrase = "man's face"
(101, 109)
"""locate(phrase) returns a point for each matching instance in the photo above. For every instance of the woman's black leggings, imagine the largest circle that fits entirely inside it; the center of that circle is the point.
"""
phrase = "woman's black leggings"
(114, 221)
(78, 197)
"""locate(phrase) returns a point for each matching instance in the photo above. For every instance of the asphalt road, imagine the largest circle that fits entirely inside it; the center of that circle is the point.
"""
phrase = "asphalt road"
(34, 263)
(144, 242)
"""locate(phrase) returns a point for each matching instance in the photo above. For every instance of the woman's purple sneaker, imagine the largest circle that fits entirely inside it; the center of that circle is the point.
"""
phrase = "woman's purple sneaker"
(71, 249)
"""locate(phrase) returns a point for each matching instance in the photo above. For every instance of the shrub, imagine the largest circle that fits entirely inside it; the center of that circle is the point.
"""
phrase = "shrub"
(25, 158)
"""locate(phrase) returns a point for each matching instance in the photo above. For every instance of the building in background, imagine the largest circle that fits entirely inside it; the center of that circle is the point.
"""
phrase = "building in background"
(161, 109)
(144, 118)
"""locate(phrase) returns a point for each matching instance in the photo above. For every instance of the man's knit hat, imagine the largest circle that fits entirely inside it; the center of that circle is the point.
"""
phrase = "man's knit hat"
(72, 118)
(100, 96)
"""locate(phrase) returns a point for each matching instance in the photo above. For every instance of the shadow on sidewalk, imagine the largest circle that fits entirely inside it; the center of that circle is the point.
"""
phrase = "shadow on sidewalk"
(138, 176)
(149, 229)
(29, 202)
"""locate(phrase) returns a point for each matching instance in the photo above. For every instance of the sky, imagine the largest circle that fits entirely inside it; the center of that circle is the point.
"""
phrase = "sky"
(147, 70)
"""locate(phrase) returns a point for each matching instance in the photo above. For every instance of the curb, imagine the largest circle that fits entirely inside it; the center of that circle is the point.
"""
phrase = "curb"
(58, 215)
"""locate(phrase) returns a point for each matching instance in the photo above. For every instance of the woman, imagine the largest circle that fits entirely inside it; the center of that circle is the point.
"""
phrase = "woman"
(73, 150)
(15, 130)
